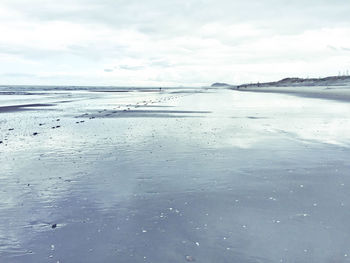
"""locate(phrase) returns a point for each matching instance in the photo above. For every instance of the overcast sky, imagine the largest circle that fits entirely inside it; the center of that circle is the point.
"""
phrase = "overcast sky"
(171, 42)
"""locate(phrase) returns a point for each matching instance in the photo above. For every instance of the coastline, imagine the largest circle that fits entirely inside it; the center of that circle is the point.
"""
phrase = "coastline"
(338, 93)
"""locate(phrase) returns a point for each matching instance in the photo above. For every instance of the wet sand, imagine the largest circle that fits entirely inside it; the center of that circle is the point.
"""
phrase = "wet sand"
(22, 107)
(173, 176)
(339, 93)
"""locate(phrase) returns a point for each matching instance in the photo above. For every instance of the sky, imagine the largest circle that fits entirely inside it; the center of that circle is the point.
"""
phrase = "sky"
(171, 42)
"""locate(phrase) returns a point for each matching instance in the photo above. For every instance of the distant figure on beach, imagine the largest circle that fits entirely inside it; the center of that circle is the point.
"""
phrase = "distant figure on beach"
(160, 89)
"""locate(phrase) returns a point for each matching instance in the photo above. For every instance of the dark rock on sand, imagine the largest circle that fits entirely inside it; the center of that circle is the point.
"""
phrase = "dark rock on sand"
(53, 225)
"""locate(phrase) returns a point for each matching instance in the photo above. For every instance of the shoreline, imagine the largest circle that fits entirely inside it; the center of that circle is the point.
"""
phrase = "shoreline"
(337, 93)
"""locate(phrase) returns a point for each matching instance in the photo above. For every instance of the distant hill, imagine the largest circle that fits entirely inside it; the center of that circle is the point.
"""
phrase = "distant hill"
(217, 85)
(288, 82)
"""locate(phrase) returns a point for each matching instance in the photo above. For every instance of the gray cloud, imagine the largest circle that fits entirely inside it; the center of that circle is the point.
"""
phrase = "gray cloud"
(157, 17)
(332, 48)
(127, 67)
(184, 39)
(18, 75)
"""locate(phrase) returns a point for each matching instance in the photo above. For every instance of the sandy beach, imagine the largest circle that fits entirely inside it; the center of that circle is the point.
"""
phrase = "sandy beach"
(174, 175)
(338, 93)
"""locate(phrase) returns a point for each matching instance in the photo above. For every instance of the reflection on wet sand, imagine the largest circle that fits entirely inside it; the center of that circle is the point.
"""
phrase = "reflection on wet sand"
(222, 176)
(23, 107)
(128, 113)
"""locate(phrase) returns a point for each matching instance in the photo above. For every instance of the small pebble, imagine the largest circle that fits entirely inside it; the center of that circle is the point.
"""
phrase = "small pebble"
(35, 133)
(190, 259)
(54, 226)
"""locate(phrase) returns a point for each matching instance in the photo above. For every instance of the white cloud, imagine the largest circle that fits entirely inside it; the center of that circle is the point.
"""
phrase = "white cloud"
(193, 42)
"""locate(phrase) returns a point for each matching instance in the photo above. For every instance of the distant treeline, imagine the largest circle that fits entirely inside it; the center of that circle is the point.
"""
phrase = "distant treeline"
(328, 81)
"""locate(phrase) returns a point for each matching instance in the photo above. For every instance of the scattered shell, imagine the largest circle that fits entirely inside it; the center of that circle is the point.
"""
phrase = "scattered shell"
(190, 259)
